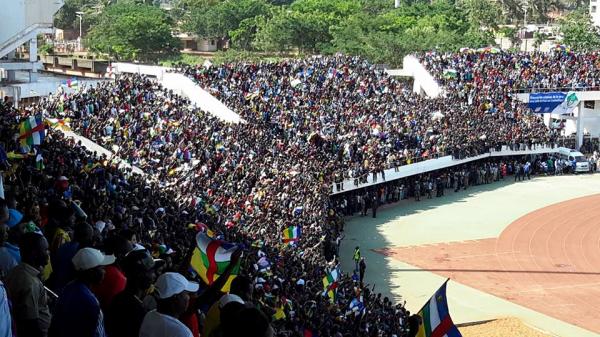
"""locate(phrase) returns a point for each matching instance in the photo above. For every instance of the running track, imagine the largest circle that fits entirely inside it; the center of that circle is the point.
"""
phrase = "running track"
(547, 260)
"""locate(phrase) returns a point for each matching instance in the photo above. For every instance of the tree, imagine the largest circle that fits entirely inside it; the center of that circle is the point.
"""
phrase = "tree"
(487, 13)
(133, 32)
(214, 19)
(578, 31)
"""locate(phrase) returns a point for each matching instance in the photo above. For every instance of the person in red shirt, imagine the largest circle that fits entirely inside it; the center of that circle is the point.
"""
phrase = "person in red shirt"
(114, 280)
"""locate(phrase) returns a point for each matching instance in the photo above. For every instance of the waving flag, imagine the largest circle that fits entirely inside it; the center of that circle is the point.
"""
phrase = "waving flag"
(72, 83)
(210, 259)
(436, 317)
(330, 283)
(32, 131)
(291, 234)
(357, 307)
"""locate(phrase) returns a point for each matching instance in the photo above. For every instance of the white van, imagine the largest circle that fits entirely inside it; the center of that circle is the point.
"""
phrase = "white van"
(570, 155)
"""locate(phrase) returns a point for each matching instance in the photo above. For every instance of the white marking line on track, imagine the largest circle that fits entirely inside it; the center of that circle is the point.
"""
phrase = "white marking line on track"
(559, 287)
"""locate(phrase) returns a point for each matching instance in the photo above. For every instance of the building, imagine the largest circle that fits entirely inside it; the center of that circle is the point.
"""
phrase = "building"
(20, 23)
(595, 11)
(193, 43)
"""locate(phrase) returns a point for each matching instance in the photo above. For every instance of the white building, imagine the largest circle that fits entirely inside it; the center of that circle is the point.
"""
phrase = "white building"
(20, 23)
(595, 11)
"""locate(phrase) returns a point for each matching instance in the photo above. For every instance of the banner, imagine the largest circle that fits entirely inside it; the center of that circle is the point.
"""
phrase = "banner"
(553, 102)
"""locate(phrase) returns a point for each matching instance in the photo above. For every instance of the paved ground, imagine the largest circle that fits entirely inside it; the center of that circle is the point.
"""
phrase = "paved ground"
(482, 214)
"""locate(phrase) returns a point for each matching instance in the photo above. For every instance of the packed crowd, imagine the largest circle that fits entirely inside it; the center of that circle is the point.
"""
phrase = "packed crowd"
(309, 123)
(483, 73)
(364, 120)
(243, 184)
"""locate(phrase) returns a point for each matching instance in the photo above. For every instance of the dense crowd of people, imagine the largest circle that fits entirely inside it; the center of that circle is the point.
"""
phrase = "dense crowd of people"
(88, 249)
(366, 120)
(481, 74)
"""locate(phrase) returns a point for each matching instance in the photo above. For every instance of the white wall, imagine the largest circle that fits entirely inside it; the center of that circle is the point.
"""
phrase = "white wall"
(433, 165)
(595, 11)
(184, 86)
(423, 81)
(16, 15)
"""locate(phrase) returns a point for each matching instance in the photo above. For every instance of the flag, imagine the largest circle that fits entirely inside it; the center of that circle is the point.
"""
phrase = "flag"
(39, 162)
(435, 317)
(330, 283)
(356, 306)
(291, 234)
(258, 243)
(32, 131)
(279, 313)
(211, 257)
(450, 73)
(72, 83)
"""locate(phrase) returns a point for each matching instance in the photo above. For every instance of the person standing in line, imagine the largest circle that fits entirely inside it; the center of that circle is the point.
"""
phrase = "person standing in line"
(418, 190)
(375, 201)
(362, 266)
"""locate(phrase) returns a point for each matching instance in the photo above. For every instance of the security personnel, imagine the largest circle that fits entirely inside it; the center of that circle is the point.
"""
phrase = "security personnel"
(356, 257)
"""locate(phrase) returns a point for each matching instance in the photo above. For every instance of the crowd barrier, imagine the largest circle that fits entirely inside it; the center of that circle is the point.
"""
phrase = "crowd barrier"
(417, 166)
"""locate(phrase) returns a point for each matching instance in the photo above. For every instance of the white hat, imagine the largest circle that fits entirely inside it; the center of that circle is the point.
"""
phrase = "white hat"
(228, 298)
(169, 284)
(88, 258)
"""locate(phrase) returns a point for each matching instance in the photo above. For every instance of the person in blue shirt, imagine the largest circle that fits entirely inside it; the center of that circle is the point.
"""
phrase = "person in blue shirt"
(77, 312)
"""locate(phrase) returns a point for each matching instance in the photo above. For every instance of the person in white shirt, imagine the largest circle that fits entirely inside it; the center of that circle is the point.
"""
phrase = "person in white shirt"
(173, 299)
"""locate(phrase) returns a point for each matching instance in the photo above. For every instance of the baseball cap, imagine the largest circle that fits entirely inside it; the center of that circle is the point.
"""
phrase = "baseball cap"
(14, 217)
(170, 284)
(88, 258)
(139, 261)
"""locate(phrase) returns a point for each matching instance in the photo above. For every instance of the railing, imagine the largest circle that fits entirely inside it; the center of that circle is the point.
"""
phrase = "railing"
(555, 89)
(416, 166)
(7, 46)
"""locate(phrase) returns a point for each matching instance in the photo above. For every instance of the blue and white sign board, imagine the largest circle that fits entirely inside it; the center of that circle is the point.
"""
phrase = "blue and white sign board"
(553, 102)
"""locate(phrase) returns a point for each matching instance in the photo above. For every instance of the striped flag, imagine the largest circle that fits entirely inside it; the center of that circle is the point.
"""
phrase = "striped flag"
(291, 234)
(435, 317)
(356, 306)
(211, 257)
(32, 131)
(330, 283)
(72, 83)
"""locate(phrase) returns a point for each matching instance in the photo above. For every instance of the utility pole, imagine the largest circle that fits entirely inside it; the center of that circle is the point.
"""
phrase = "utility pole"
(525, 10)
(396, 3)
(80, 16)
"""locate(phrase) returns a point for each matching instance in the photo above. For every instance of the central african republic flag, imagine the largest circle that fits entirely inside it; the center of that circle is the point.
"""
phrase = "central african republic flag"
(32, 131)
(291, 234)
(330, 284)
(210, 259)
(435, 317)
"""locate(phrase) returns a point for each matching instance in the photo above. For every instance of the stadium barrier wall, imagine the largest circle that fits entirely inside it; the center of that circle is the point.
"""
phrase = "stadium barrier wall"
(184, 86)
(433, 165)
(423, 81)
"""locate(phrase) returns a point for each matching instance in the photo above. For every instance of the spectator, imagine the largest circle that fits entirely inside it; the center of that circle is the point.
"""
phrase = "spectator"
(78, 311)
(126, 313)
(173, 299)
(25, 289)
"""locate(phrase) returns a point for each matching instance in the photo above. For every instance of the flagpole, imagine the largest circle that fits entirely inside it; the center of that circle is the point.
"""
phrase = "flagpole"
(424, 305)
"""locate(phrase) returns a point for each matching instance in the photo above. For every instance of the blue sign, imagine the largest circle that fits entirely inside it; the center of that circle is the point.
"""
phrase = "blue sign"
(546, 102)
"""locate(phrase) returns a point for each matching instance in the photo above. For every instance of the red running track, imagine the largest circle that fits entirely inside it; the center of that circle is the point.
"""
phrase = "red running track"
(547, 260)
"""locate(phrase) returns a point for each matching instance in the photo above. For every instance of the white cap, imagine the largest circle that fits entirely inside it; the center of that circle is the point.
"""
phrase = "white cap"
(170, 284)
(88, 258)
